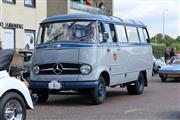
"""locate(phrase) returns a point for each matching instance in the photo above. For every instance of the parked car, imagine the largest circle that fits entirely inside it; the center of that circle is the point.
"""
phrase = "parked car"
(172, 70)
(14, 94)
(157, 64)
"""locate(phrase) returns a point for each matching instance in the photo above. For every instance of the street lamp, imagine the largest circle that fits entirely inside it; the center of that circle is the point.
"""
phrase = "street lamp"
(164, 21)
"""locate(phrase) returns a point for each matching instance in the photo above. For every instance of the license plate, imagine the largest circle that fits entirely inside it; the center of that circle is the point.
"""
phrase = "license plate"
(55, 85)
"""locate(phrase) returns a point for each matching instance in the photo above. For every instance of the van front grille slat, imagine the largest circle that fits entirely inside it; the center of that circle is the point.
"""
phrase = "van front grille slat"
(67, 68)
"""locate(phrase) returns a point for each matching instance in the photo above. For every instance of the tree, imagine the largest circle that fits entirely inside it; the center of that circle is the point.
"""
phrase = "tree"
(178, 39)
(158, 38)
(168, 40)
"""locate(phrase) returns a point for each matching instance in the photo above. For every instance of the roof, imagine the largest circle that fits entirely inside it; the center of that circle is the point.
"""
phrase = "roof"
(88, 16)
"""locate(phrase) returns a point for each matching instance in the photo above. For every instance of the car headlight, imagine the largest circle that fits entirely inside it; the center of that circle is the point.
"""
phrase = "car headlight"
(36, 69)
(85, 69)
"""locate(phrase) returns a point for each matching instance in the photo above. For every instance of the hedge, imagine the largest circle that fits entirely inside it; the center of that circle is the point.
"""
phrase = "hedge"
(158, 50)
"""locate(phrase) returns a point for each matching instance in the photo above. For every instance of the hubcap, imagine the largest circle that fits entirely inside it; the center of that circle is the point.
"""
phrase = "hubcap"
(13, 110)
(101, 91)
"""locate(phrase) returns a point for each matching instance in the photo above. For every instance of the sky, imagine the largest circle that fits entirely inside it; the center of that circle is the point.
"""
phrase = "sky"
(150, 12)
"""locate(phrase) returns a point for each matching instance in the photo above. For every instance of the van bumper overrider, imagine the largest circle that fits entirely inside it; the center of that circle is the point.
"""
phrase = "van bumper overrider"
(66, 85)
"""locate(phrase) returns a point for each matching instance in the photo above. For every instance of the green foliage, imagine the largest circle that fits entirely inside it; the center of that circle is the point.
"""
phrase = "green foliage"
(168, 41)
(178, 39)
(158, 38)
(158, 50)
(153, 40)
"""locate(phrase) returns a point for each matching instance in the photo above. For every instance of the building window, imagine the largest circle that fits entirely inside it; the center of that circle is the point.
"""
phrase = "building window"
(29, 39)
(10, 1)
(8, 38)
(30, 3)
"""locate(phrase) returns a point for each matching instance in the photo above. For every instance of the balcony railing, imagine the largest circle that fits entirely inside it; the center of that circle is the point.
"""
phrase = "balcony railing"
(85, 8)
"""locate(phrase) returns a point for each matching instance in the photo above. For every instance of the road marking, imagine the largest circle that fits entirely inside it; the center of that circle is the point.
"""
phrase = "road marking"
(133, 110)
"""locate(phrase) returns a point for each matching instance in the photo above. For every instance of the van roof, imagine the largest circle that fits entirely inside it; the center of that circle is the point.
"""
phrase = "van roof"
(88, 16)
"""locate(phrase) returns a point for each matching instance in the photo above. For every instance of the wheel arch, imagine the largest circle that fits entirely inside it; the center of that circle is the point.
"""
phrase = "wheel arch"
(106, 77)
(145, 77)
(19, 93)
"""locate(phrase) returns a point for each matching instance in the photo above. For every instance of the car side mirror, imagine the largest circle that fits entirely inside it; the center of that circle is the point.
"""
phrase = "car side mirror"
(105, 36)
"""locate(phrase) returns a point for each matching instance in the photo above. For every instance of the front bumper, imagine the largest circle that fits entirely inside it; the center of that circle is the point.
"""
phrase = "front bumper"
(65, 85)
(170, 75)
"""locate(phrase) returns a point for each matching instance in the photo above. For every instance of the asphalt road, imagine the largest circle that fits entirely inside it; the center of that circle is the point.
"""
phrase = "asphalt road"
(160, 101)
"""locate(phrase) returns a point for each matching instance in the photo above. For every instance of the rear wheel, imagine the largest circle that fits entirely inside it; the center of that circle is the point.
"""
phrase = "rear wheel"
(12, 107)
(99, 93)
(136, 87)
(42, 95)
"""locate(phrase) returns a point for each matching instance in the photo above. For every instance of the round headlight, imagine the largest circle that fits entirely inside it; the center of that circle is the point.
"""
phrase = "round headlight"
(36, 69)
(85, 69)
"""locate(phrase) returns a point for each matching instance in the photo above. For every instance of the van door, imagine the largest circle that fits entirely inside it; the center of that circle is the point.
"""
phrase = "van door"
(112, 54)
(123, 53)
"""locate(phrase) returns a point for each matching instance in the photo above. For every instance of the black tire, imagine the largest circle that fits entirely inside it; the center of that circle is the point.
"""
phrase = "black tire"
(99, 93)
(14, 105)
(137, 87)
(158, 68)
(84, 91)
(42, 96)
(163, 79)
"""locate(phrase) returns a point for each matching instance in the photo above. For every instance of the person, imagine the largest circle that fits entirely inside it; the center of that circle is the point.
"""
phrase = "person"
(92, 29)
(173, 52)
(101, 7)
(88, 2)
(167, 55)
(0, 44)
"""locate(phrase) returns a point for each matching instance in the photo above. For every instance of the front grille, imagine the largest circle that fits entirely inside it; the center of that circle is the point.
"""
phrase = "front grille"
(67, 68)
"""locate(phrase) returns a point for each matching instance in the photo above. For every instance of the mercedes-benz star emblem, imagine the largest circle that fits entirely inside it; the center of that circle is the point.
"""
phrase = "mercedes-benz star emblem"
(57, 68)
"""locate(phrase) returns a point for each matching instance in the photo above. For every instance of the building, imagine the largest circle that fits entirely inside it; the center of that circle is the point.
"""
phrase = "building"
(56, 7)
(19, 19)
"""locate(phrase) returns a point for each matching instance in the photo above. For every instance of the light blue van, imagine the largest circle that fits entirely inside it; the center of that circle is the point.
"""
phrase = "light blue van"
(87, 52)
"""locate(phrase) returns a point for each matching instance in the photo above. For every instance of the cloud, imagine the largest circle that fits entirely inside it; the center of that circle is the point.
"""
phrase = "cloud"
(150, 12)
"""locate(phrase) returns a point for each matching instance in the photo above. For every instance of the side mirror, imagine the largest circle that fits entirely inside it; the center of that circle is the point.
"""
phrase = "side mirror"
(105, 36)
(148, 40)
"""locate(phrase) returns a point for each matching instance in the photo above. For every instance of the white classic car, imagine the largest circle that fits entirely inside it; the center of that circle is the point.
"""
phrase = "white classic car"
(14, 94)
(157, 64)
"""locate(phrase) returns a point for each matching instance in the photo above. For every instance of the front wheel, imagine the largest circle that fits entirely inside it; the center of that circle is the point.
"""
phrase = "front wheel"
(163, 79)
(136, 87)
(40, 96)
(99, 93)
(12, 107)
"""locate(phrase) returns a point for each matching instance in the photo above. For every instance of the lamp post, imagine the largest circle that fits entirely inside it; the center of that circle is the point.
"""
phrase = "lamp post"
(164, 22)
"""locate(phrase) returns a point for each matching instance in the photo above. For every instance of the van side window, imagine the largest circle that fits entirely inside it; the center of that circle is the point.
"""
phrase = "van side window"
(132, 34)
(147, 40)
(121, 33)
(107, 29)
(142, 35)
(101, 31)
(113, 33)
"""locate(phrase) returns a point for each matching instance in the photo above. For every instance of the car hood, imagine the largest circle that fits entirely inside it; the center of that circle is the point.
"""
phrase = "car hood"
(160, 62)
(171, 67)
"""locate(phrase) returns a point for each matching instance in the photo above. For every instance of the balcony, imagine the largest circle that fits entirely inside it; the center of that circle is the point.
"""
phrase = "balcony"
(84, 8)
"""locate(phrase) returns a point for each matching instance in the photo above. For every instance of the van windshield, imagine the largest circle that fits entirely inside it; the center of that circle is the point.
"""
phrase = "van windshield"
(84, 31)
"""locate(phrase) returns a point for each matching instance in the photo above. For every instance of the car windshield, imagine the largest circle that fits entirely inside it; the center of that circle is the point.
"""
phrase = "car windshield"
(175, 60)
(84, 31)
